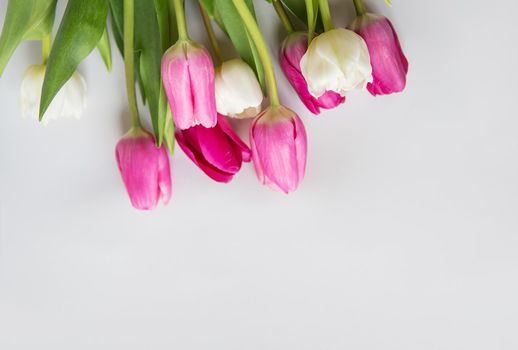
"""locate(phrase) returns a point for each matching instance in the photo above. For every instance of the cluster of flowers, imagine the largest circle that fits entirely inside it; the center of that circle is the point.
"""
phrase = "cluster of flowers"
(201, 96)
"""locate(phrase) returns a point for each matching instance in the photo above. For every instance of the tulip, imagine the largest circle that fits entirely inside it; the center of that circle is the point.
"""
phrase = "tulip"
(389, 64)
(144, 169)
(292, 50)
(279, 148)
(188, 77)
(238, 93)
(337, 60)
(69, 102)
(217, 151)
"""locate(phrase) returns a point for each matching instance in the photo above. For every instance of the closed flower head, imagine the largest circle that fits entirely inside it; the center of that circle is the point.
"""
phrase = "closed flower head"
(279, 148)
(292, 50)
(337, 60)
(217, 151)
(389, 64)
(238, 93)
(188, 77)
(144, 169)
(69, 102)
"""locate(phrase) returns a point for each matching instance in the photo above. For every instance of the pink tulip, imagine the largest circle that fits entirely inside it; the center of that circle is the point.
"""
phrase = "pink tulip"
(217, 151)
(188, 77)
(292, 50)
(389, 64)
(279, 148)
(144, 169)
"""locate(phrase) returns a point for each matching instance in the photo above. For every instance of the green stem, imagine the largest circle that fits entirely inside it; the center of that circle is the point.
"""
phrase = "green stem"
(260, 44)
(326, 15)
(129, 59)
(211, 35)
(283, 16)
(172, 23)
(312, 14)
(360, 9)
(180, 19)
(46, 45)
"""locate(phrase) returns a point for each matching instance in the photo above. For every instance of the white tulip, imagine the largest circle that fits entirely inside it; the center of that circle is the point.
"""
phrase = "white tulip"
(69, 102)
(238, 93)
(337, 60)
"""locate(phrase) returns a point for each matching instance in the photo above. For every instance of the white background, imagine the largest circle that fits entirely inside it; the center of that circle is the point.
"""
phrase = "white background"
(404, 234)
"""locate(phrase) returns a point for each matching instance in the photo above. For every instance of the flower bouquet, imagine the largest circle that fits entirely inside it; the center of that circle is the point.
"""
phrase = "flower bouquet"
(191, 92)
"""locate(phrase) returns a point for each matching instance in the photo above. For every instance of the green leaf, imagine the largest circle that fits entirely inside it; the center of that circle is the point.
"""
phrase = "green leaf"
(307, 16)
(117, 23)
(209, 6)
(164, 24)
(297, 7)
(163, 108)
(169, 132)
(148, 47)
(79, 33)
(212, 11)
(117, 16)
(162, 13)
(151, 23)
(236, 30)
(104, 48)
(25, 20)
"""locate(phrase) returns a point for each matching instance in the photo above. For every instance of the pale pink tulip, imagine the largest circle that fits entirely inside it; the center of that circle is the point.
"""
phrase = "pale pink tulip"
(389, 64)
(144, 169)
(217, 151)
(279, 148)
(292, 50)
(188, 77)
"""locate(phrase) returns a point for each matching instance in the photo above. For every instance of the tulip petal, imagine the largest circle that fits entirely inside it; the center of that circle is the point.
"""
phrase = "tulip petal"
(337, 60)
(188, 77)
(237, 89)
(389, 63)
(70, 101)
(301, 147)
(300, 86)
(144, 169)
(197, 158)
(177, 85)
(201, 72)
(292, 50)
(164, 175)
(74, 100)
(258, 166)
(279, 165)
(237, 143)
(330, 100)
(216, 148)
(278, 143)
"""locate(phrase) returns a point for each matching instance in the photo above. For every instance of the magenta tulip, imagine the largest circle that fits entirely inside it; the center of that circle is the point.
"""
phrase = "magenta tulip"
(389, 64)
(292, 50)
(217, 151)
(144, 169)
(188, 77)
(279, 148)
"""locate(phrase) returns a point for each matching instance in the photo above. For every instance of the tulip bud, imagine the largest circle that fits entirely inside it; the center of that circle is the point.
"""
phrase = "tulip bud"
(69, 102)
(238, 93)
(144, 169)
(279, 148)
(337, 60)
(389, 64)
(188, 77)
(217, 151)
(292, 50)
